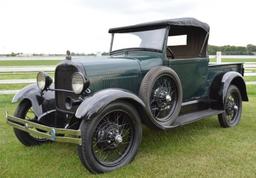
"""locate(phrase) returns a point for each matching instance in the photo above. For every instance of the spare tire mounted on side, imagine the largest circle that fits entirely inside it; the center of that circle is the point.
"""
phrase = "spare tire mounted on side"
(161, 92)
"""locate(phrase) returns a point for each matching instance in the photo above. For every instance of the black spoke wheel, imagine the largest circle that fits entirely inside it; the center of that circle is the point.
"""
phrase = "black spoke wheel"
(24, 111)
(112, 137)
(110, 140)
(232, 108)
(161, 92)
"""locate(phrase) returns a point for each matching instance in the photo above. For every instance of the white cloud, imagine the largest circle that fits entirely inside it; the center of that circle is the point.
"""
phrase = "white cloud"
(53, 26)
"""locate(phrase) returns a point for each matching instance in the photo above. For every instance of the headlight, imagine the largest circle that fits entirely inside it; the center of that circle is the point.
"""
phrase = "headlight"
(78, 83)
(43, 80)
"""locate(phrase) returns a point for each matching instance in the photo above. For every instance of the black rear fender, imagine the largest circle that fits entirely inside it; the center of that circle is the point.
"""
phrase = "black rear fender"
(220, 84)
(234, 78)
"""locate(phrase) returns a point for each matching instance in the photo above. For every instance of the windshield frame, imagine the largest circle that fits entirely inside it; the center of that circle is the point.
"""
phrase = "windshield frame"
(111, 51)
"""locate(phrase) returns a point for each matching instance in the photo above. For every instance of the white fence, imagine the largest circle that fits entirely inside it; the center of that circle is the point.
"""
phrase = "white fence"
(250, 69)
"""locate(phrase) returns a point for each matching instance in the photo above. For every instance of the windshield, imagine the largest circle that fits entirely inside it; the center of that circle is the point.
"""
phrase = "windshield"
(151, 39)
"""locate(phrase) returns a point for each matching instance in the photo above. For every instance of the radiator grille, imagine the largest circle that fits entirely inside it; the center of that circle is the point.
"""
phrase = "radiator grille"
(63, 76)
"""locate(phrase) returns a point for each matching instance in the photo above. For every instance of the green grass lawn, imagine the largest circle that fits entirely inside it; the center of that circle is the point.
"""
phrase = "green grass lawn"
(29, 63)
(201, 149)
(250, 78)
(12, 86)
(250, 70)
(235, 60)
(251, 90)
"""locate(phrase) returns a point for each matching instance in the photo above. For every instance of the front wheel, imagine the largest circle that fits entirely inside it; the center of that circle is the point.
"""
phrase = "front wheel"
(24, 111)
(111, 139)
(232, 108)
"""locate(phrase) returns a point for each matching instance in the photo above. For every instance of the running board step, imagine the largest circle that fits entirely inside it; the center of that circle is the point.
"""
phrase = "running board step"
(192, 117)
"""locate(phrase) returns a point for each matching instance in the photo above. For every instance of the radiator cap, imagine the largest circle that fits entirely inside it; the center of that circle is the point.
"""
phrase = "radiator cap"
(68, 55)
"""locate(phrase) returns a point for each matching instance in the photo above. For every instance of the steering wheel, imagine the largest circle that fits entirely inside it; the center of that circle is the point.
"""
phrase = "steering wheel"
(171, 53)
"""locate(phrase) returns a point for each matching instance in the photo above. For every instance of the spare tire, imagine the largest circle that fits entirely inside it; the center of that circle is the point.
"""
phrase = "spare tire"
(161, 92)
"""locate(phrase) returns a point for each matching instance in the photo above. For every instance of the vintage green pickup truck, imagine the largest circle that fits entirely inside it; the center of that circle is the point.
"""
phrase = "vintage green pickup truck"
(157, 74)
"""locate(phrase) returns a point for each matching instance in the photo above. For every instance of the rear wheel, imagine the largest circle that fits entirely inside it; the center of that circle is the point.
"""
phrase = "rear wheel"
(24, 111)
(110, 140)
(232, 107)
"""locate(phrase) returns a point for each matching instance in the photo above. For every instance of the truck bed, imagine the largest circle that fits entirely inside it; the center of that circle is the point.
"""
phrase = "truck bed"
(219, 69)
(215, 69)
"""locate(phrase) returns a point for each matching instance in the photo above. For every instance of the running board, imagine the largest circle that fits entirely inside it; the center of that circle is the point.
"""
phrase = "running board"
(192, 117)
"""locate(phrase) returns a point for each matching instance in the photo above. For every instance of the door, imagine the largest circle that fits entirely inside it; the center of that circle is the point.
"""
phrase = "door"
(193, 74)
(187, 55)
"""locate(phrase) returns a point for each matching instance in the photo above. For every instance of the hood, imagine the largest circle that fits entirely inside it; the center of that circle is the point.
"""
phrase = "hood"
(110, 72)
(104, 65)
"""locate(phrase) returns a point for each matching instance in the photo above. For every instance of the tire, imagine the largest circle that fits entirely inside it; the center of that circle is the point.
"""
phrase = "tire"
(233, 108)
(102, 135)
(24, 137)
(170, 96)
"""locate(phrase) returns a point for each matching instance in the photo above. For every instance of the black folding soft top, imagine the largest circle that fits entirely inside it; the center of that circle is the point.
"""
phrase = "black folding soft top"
(188, 22)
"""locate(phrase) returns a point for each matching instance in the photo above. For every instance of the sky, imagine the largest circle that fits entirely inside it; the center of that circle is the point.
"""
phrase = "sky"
(53, 26)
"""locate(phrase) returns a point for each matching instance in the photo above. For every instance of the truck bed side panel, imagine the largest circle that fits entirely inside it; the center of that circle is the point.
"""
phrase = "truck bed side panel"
(220, 69)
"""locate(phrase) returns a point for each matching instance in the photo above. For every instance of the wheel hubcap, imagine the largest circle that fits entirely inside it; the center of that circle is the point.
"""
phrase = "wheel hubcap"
(168, 98)
(118, 139)
(232, 107)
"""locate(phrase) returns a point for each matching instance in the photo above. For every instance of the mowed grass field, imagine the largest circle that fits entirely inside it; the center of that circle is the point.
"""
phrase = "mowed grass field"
(201, 149)
(29, 63)
(235, 60)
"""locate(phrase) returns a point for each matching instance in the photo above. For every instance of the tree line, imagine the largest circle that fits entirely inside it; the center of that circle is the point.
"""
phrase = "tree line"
(212, 49)
(232, 50)
(13, 54)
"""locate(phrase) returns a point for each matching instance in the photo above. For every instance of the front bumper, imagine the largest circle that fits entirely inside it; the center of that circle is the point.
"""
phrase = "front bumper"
(45, 132)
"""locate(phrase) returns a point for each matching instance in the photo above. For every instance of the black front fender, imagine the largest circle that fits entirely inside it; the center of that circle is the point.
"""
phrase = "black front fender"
(35, 96)
(94, 104)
